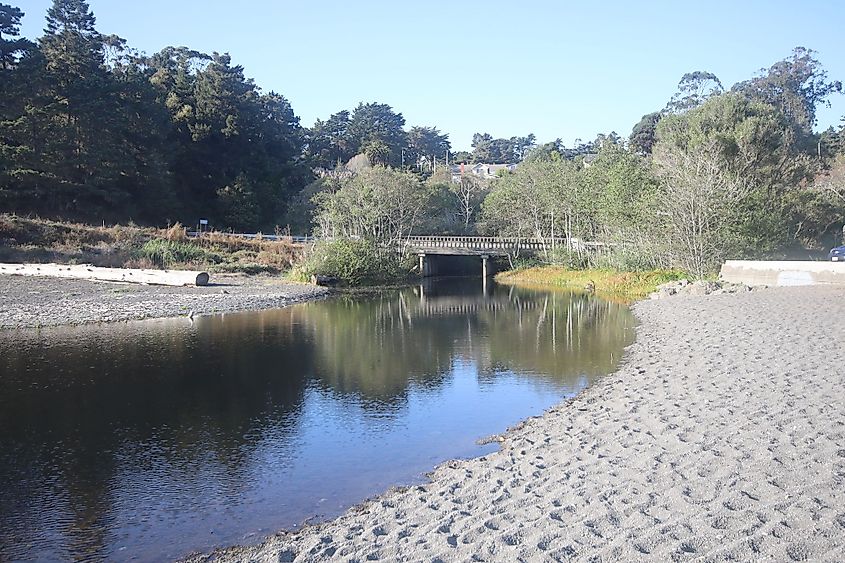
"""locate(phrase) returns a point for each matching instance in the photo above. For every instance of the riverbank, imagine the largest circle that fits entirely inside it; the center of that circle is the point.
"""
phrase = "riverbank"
(35, 240)
(612, 284)
(722, 437)
(30, 302)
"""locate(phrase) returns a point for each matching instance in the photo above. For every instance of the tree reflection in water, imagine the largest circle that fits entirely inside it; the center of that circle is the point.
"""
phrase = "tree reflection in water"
(162, 437)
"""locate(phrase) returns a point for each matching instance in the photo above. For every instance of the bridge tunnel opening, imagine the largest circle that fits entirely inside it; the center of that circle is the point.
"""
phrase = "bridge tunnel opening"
(461, 265)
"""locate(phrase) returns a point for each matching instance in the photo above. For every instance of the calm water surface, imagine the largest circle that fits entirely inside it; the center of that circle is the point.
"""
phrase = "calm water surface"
(150, 440)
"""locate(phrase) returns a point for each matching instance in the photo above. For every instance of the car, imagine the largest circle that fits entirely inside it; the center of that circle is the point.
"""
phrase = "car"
(837, 254)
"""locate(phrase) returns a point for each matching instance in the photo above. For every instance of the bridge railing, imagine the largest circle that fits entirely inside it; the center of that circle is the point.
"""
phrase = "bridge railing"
(437, 241)
(498, 243)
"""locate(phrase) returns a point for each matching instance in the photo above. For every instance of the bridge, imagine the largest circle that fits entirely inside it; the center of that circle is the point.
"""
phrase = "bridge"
(427, 246)
(486, 248)
(477, 246)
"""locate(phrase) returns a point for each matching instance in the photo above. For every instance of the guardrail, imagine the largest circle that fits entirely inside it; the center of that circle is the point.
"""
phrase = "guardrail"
(260, 236)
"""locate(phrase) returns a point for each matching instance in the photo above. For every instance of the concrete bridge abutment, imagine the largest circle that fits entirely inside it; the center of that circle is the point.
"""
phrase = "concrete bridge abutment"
(488, 267)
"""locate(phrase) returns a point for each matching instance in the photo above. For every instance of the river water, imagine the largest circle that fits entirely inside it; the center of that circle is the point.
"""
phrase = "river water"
(149, 440)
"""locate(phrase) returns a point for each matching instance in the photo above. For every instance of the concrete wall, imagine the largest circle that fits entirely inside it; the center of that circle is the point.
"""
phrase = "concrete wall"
(782, 273)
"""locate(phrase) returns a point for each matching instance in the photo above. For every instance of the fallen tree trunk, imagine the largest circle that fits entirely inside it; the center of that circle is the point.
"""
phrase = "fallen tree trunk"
(125, 275)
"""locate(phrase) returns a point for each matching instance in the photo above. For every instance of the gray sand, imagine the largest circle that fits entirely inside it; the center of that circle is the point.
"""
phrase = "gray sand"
(722, 437)
(27, 302)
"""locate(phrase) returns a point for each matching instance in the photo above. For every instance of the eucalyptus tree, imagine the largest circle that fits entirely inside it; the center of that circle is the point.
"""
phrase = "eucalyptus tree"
(796, 86)
(694, 89)
(522, 146)
(481, 151)
(487, 150)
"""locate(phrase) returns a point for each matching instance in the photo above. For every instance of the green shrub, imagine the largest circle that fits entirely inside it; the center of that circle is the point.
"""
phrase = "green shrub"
(165, 253)
(354, 262)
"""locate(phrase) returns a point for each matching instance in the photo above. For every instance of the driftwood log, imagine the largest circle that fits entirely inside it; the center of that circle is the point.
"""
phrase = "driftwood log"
(125, 275)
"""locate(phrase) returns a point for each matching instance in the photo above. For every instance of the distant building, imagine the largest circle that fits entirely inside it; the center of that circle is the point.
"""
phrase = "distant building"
(481, 171)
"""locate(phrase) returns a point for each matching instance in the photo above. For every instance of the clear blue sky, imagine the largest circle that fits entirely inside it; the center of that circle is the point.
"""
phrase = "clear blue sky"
(555, 69)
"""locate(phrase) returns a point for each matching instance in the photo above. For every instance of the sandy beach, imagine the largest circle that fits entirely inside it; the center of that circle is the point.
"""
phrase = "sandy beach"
(722, 437)
(29, 302)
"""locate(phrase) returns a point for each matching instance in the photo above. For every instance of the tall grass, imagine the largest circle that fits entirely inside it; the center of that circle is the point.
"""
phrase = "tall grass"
(166, 253)
(625, 285)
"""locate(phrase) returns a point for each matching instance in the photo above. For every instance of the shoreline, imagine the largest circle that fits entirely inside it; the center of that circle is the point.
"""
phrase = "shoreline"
(37, 302)
(720, 437)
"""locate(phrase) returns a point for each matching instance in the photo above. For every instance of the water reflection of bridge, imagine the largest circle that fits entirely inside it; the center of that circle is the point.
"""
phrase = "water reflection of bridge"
(461, 305)
(439, 305)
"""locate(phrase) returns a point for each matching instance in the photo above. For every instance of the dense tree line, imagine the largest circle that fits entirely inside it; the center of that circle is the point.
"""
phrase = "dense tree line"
(377, 131)
(716, 173)
(91, 129)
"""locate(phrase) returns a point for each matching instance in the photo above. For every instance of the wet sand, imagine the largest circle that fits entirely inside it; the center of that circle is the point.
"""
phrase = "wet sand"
(722, 437)
(27, 302)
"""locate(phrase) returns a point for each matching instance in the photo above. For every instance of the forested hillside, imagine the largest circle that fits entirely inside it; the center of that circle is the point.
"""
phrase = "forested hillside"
(92, 129)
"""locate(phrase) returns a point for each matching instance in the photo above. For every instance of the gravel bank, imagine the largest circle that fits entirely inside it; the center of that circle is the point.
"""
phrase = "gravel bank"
(722, 437)
(31, 302)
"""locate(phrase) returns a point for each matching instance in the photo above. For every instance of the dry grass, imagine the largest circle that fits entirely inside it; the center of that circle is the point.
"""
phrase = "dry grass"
(176, 233)
(27, 239)
(626, 286)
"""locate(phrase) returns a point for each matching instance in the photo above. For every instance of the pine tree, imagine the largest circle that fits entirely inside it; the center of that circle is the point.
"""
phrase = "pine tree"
(13, 46)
